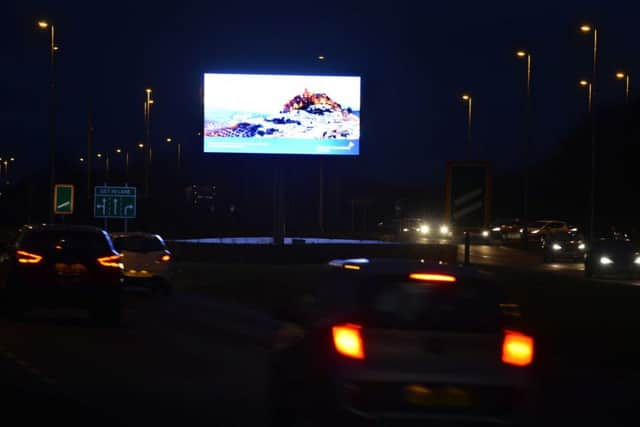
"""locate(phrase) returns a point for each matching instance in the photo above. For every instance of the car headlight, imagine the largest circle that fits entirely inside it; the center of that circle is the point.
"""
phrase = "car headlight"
(605, 260)
(637, 260)
(556, 247)
(522, 230)
(485, 233)
(535, 231)
(424, 229)
(582, 246)
(444, 229)
(498, 229)
(404, 230)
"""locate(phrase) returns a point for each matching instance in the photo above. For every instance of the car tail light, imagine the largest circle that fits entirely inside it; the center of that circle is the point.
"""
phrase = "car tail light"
(432, 277)
(517, 349)
(114, 261)
(25, 257)
(165, 258)
(348, 340)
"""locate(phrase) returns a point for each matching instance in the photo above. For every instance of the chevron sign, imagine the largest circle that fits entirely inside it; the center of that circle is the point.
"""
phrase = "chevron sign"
(468, 195)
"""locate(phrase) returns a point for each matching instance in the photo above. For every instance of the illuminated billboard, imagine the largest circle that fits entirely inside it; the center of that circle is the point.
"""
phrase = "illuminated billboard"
(281, 114)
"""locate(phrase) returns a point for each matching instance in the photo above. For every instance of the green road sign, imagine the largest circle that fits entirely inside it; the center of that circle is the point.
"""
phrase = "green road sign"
(63, 199)
(114, 202)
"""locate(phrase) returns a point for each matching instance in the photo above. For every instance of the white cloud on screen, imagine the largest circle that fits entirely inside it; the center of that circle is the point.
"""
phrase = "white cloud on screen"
(268, 93)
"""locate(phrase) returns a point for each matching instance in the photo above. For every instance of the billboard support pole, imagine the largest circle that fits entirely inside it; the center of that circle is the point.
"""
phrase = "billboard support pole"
(321, 197)
(278, 205)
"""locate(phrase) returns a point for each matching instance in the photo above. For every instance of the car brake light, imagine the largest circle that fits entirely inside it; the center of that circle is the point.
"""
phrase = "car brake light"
(431, 277)
(348, 341)
(165, 258)
(25, 257)
(114, 261)
(517, 349)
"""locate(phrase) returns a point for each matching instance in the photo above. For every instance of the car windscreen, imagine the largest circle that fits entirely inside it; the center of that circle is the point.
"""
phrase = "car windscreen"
(451, 307)
(139, 244)
(93, 242)
(538, 224)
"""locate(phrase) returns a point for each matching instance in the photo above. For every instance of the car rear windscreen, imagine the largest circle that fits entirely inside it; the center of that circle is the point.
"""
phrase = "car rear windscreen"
(139, 244)
(450, 307)
(93, 242)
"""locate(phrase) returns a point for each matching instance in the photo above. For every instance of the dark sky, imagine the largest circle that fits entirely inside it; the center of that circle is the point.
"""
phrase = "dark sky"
(415, 62)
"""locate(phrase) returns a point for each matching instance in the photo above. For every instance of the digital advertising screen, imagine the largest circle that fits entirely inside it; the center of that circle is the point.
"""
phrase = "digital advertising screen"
(281, 114)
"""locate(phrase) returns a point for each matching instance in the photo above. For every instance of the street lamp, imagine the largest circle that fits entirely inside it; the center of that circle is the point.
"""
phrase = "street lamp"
(81, 159)
(527, 144)
(106, 164)
(147, 143)
(587, 29)
(587, 84)
(44, 25)
(624, 76)
(179, 151)
(467, 99)
(126, 161)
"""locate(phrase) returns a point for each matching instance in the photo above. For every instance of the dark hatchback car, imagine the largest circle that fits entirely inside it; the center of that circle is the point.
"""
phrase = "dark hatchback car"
(62, 266)
(565, 246)
(612, 257)
(394, 341)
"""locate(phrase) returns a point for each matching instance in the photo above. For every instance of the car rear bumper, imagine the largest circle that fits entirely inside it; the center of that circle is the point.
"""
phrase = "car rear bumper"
(483, 405)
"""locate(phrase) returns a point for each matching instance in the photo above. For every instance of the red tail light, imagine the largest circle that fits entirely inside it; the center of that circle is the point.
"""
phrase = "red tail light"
(114, 261)
(165, 258)
(433, 277)
(517, 349)
(25, 257)
(348, 341)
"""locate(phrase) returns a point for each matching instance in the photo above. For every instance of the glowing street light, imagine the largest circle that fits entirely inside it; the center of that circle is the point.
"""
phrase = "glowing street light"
(44, 25)
(587, 84)
(523, 54)
(119, 150)
(81, 159)
(624, 76)
(467, 99)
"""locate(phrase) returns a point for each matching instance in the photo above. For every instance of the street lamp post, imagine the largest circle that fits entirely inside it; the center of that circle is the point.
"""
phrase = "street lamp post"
(587, 84)
(43, 25)
(467, 99)
(624, 76)
(106, 164)
(592, 92)
(147, 143)
(178, 151)
(527, 145)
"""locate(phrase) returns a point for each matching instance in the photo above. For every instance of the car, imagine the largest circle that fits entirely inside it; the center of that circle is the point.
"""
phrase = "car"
(612, 257)
(392, 340)
(146, 259)
(565, 245)
(506, 230)
(56, 265)
(538, 231)
(418, 229)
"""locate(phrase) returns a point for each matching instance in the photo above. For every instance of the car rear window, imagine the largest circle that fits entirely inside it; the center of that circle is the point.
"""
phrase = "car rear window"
(457, 307)
(139, 244)
(89, 241)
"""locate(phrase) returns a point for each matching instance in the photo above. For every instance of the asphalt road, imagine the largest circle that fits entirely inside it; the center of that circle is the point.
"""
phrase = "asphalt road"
(174, 361)
(528, 260)
(191, 359)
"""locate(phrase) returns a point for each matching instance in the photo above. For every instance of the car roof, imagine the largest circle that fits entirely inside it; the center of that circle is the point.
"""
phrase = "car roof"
(135, 234)
(62, 227)
(386, 266)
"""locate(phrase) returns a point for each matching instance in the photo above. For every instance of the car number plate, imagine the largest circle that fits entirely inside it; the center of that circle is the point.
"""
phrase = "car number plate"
(442, 397)
(70, 270)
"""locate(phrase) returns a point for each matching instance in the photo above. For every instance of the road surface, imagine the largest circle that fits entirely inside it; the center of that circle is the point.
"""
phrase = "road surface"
(192, 360)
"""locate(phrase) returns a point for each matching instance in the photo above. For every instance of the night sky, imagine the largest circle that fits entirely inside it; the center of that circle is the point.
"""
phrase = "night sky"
(415, 64)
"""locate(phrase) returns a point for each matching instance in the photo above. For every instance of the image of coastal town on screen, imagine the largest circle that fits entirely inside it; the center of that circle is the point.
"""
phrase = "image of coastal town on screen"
(281, 114)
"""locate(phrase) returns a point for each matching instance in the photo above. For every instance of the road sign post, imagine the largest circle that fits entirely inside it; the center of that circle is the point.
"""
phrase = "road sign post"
(63, 199)
(114, 202)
